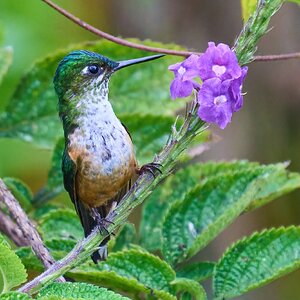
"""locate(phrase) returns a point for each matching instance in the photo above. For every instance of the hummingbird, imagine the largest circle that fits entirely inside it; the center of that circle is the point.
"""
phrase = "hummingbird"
(98, 162)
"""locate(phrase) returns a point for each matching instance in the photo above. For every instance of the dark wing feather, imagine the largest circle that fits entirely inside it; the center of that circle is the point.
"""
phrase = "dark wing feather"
(88, 223)
(69, 172)
(126, 130)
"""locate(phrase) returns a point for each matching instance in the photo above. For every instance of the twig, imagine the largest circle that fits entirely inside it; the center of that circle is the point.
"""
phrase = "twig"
(274, 57)
(137, 194)
(8, 227)
(127, 43)
(112, 38)
(29, 232)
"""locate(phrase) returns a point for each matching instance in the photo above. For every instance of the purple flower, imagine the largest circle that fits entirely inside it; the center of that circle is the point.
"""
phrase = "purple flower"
(219, 61)
(236, 90)
(183, 84)
(221, 92)
(215, 102)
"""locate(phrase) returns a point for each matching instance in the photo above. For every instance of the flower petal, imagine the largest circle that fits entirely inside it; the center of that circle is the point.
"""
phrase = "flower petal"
(219, 61)
(181, 89)
(215, 102)
(175, 67)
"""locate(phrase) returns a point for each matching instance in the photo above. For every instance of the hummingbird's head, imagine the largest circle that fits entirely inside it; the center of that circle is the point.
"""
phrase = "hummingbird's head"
(81, 70)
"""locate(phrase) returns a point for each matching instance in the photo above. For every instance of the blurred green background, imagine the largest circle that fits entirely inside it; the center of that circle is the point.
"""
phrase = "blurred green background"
(266, 130)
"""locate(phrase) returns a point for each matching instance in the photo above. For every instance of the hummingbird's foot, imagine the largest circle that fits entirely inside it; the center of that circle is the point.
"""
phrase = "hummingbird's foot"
(102, 223)
(152, 168)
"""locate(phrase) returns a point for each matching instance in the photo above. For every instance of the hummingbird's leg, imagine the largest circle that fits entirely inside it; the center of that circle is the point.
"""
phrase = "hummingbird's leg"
(151, 168)
(102, 223)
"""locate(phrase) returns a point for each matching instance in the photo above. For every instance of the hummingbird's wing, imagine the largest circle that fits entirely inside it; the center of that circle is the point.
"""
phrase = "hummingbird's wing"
(69, 173)
(69, 169)
(126, 130)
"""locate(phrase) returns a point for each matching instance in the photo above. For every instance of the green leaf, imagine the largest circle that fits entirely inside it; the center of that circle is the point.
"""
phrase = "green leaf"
(257, 260)
(295, 1)
(176, 186)
(280, 182)
(153, 210)
(61, 224)
(173, 189)
(21, 192)
(1, 34)
(12, 271)
(14, 296)
(32, 114)
(78, 290)
(161, 199)
(6, 55)
(197, 271)
(248, 8)
(4, 241)
(189, 286)
(31, 262)
(54, 185)
(149, 134)
(61, 245)
(130, 271)
(126, 236)
(40, 212)
(208, 209)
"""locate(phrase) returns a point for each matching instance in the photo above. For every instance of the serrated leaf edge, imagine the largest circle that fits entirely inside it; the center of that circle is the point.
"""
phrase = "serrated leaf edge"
(279, 230)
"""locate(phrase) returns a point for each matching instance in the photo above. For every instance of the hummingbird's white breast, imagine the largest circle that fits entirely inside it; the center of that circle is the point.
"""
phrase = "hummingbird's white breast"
(102, 150)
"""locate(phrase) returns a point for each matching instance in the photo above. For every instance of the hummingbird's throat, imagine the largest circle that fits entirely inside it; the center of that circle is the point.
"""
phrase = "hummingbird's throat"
(98, 87)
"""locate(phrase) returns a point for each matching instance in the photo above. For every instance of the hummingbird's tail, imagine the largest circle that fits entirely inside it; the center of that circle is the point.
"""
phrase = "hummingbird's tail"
(101, 253)
(88, 224)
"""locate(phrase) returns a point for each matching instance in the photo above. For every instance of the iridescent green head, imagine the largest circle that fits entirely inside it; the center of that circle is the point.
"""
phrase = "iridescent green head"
(82, 69)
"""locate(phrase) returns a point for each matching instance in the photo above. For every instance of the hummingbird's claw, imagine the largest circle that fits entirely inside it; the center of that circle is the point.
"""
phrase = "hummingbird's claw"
(151, 168)
(102, 226)
(102, 223)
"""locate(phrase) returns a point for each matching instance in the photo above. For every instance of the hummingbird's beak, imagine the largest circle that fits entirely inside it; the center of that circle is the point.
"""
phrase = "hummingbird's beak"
(125, 63)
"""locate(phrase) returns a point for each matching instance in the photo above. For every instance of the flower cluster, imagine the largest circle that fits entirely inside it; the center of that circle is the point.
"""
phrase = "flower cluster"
(220, 94)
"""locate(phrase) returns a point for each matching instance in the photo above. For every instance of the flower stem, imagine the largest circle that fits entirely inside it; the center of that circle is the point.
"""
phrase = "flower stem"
(257, 25)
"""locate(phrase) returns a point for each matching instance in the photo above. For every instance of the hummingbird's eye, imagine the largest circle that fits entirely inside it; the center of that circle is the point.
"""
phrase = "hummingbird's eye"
(93, 69)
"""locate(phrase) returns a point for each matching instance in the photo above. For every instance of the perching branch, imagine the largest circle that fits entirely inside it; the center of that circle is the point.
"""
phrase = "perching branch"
(28, 230)
(127, 43)
(9, 228)
(177, 143)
